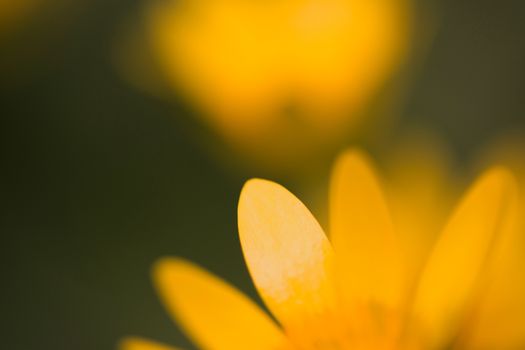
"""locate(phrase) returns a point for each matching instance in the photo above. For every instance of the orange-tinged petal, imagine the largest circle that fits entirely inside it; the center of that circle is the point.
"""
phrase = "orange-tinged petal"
(287, 253)
(134, 343)
(502, 320)
(367, 248)
(499, 320)
(214, 314)
(451, 277)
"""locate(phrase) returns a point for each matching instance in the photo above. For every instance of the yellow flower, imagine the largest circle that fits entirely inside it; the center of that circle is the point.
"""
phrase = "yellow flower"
(279, 79)
(355, 291)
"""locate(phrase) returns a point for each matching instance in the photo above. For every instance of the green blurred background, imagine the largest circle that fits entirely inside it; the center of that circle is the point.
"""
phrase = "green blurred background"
(99, 180)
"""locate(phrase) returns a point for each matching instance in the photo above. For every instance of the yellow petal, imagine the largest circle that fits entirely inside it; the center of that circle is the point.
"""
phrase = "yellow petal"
(499, 321)
(134, 343)
(215, 315)
(287, 253)
(361, 230)
(451, 278)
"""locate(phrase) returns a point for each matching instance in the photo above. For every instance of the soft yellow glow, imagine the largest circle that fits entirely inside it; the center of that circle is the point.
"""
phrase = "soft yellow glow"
(279, 79)
(356, 296)
(11, 11)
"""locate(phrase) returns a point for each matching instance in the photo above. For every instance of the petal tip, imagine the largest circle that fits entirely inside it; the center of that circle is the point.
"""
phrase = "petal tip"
(502, 178)
(257, 190)
(354, 154)
(255, 186)
(168, 271)
(127, 343)
(133, 343)
(354, 160)
(165, 264)
(136, 343)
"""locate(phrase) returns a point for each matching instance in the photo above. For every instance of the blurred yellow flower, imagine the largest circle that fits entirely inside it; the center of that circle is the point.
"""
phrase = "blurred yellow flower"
(356, 290)
(279, 80)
